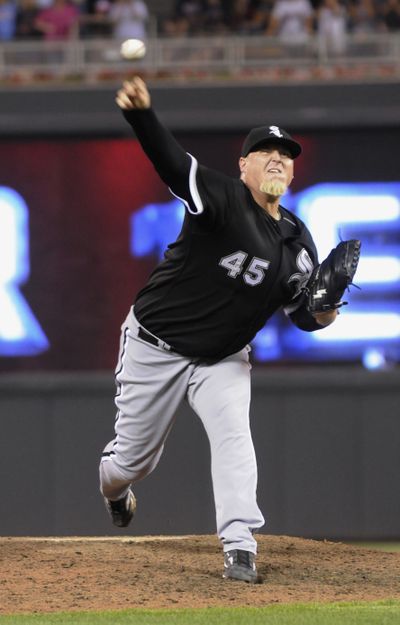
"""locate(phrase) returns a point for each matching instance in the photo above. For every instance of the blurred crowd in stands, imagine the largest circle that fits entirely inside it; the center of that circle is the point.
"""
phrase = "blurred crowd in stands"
(290, 20)
(287, 19)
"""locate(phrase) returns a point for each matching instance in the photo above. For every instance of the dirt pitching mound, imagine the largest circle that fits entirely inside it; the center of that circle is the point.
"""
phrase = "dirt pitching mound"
(48, 575)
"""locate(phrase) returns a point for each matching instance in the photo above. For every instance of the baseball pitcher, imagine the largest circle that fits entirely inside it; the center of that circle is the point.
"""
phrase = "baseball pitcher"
(239, 257)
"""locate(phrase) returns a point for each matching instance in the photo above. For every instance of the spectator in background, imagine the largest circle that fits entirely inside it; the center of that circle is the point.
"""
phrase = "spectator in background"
(129, 19)
(291, 21)
(27, 13)
(175, 27)
(95, 21)
(250, 17)
(391, 15)
(8, 14)
(240, 16)
(214, 19)
(332, 20)
(189, 16)
(58, 21)
(363, 16)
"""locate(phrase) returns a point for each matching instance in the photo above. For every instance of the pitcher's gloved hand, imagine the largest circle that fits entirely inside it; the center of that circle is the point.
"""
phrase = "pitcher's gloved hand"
(331, 278)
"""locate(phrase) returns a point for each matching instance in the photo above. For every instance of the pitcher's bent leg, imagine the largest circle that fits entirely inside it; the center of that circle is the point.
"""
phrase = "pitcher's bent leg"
(151, 384)
(220, 394)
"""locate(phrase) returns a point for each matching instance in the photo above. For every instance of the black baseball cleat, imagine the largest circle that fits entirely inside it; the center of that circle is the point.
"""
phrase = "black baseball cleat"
(240, 565)
(122, 510)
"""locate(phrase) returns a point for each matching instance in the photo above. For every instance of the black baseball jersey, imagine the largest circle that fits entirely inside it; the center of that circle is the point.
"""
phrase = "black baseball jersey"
(232, 265)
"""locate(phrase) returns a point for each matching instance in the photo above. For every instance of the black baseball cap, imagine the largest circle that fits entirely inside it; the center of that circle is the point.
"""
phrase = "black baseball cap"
(269, 134)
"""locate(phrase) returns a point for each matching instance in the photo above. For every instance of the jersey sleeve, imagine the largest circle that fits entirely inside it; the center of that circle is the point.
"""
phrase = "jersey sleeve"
(207, 196)
(203, 191)
(170, 160)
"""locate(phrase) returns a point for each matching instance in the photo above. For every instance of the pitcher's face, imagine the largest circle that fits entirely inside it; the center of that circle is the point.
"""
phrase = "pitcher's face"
(270, 167)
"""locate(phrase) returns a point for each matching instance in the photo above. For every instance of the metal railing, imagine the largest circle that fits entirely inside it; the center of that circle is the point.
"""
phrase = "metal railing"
(222, 58)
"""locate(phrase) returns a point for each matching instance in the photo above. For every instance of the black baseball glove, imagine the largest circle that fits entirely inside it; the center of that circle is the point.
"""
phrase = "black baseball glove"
(330, 279)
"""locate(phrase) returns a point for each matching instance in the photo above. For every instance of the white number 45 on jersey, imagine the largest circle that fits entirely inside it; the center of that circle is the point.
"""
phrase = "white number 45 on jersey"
(255, 271)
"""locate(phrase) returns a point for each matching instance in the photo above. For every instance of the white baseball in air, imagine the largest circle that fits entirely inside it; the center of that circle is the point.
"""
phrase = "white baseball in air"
(133, 49)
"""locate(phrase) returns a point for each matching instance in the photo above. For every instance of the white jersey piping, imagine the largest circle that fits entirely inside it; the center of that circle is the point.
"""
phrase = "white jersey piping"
(194, 192)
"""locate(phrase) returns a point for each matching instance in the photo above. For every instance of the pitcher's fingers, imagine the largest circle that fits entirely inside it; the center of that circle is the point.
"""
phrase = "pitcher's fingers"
(121, 93)
(137, 80)
(129, 88)
(140, 85)
(124, 102)
(120, 104)
(126, 97)
(129, 96)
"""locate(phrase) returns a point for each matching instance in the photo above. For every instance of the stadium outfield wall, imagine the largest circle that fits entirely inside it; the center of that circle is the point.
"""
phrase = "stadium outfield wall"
(327, 442)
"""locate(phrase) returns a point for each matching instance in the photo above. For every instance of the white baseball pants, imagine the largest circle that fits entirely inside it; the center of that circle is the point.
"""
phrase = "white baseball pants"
(152, 382)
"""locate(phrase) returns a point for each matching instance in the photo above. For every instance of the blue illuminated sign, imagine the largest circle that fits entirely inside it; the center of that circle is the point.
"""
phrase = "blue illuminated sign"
(371, 212)
(20, 332)
(154, 226)
(334, 211)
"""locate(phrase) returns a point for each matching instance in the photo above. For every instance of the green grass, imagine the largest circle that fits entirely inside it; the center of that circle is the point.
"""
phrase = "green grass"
(371, 613)
(377, 545)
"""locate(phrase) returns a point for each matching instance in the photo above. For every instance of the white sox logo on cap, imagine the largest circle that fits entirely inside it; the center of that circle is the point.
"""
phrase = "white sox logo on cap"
(274, 130)
(263, 135)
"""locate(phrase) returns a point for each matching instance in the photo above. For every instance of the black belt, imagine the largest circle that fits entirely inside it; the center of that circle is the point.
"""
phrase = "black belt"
(153, 340)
